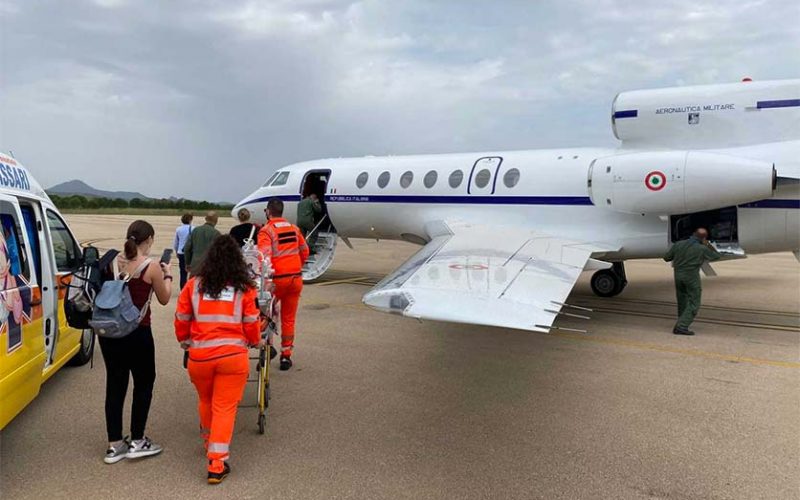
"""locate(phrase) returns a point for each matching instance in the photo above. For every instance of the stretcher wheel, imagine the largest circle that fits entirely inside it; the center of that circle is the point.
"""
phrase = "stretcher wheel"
(262, 424)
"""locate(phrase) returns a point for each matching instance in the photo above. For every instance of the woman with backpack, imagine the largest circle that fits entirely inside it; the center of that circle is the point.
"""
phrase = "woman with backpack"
(134, 354)
(217, 319)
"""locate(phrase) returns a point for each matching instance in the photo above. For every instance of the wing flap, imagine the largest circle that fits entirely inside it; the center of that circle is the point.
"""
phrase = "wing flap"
(487, 276)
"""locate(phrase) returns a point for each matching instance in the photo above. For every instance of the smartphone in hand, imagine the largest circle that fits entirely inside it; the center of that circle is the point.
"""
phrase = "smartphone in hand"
(166, 256)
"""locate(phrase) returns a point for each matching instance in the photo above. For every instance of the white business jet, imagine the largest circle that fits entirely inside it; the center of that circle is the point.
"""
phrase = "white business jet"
(505, 234)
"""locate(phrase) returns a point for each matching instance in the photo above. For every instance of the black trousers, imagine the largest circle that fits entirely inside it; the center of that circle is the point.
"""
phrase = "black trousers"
(133, 355)
(182, 267)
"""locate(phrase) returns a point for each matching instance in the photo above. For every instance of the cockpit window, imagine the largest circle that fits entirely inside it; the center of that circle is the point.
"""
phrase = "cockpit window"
(269, 181)
(281, 179)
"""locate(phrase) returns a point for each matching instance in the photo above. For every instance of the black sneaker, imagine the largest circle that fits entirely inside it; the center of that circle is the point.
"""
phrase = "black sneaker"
(272, 353)
(682, 331)
(286, 363)
(218, 477)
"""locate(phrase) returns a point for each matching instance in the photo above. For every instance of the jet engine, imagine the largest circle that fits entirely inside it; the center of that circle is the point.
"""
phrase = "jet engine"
(677, 182)
(708, 116)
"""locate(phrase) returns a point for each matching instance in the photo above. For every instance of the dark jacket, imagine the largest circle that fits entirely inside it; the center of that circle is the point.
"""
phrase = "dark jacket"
(196, 247)
(242, 232)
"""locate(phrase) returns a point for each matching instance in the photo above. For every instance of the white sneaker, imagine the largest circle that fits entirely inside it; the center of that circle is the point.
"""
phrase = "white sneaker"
(117, 452)
(143, 448)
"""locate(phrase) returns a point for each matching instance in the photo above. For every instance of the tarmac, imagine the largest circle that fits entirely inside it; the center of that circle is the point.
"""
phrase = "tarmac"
(380, 406)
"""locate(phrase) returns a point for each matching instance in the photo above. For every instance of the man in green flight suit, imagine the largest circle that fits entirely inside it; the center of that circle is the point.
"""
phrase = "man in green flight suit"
(308, 210)
(687, 257)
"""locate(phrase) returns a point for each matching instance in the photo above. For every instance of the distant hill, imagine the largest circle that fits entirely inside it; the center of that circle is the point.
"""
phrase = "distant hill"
(76, 187)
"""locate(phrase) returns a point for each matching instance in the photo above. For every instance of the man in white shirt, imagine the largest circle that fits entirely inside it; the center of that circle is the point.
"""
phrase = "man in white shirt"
(181, 237)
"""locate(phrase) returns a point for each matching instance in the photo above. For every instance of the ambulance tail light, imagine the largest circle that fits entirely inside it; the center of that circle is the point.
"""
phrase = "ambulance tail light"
(676, 182)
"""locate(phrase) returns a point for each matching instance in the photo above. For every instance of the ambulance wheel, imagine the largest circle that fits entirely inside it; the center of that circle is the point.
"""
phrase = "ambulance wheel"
(607, 283)
(262, 424)
(85, 353)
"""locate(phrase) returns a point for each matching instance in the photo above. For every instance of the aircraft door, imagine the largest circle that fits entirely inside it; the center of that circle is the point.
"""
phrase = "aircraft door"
(483, 176)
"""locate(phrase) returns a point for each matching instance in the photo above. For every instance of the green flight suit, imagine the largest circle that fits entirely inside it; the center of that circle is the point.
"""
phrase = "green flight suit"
(307, 212)
(197, 245)
(687, 257)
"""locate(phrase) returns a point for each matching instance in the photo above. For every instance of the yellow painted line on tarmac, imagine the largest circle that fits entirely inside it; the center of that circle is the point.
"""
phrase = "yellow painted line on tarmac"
(343, 281)
(678, 350)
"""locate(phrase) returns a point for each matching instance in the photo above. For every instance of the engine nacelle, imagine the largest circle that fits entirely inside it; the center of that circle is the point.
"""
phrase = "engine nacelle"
(677, 182)
(708, 116)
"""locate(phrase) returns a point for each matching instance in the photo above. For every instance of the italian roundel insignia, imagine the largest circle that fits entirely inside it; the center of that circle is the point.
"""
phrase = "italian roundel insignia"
(655, 180)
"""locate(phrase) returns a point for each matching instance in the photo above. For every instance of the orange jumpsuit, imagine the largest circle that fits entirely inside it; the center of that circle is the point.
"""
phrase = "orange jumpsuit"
(219, 331)
(283, 243)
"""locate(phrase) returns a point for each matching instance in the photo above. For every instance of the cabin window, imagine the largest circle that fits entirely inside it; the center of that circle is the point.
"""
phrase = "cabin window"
(65, 248)
(362, 179)
(511, 178)
(383, 179)
(12, 248)
(281, 179)
(456, 178)
(430, 179)
(269, 181)
(406, 179)
(482, 178)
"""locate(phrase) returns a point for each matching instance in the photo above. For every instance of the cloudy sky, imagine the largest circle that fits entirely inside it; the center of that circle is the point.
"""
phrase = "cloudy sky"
(205, 98)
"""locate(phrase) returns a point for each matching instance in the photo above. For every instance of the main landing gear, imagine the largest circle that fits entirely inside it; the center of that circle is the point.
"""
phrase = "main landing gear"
(609, 282)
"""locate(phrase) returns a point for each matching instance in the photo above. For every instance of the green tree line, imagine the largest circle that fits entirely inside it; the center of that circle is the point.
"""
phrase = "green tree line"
(78, 201)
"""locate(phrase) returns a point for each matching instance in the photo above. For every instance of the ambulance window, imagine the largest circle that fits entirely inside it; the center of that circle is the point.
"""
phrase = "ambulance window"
(269, 181)
(281, 179)
(383, 179)
(29, 223)
(430, 179)
(65, 248)
(511, 178)
(13, 261)
(362, 179)
(406, 179)
(482, 178)
(456, 178)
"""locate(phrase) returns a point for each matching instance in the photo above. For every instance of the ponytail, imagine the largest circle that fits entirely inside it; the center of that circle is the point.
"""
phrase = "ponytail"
(138, 232)
(130, 248)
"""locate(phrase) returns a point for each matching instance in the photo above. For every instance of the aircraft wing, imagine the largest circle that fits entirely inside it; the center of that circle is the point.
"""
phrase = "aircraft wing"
(485, 275)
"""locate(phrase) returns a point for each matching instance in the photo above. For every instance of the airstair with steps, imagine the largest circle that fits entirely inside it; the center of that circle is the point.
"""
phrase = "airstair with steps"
(323, 251)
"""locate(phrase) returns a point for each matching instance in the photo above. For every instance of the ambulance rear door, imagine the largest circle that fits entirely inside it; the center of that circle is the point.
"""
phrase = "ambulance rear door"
(22, 353)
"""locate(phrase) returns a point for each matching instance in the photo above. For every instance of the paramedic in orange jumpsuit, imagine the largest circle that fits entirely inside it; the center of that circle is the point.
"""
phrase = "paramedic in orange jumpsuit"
(283, 243)
(217, 319)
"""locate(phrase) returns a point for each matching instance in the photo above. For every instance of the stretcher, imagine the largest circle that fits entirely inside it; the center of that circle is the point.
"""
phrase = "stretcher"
(261, 378)
(261, 272)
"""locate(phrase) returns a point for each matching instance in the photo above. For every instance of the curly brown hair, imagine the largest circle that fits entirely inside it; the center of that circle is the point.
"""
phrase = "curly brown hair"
(223, 267)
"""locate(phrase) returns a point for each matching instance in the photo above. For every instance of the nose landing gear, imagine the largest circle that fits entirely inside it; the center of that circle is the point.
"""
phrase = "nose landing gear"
(609, 282)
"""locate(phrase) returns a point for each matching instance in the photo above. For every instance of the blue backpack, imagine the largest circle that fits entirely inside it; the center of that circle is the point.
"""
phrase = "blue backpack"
(115, 315)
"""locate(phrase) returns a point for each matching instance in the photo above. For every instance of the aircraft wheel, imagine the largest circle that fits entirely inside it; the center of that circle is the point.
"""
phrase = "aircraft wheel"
(607, 283)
